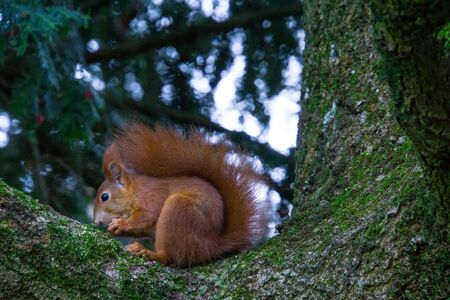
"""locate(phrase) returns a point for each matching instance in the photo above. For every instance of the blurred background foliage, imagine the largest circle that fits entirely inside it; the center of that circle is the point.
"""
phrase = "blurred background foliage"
(72, 71)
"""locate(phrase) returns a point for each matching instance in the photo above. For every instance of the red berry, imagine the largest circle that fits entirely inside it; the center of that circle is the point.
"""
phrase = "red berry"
(40, 119)
(87, 94)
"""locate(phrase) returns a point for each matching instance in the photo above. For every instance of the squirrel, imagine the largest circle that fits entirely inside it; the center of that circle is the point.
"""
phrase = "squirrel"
(196, 197)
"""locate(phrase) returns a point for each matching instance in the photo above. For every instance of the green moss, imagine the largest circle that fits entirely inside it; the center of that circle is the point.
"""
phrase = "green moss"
(71, 258)
(85, 243)
(349, 206)
(374, 230)
(24, 199)
(6, 232)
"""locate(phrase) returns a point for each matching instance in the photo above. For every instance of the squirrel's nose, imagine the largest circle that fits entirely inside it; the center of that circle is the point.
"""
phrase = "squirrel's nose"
(98, 223)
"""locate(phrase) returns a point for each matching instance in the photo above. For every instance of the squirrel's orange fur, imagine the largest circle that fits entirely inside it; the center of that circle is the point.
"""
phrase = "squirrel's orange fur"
(197, 198)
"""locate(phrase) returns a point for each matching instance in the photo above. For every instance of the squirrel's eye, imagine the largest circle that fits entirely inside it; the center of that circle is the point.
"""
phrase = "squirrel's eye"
(105, 197)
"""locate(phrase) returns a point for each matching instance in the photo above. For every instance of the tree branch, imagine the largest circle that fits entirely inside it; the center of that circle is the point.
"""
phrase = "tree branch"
(188, 34)
(93, 4)
(86, 188)
(38, 168)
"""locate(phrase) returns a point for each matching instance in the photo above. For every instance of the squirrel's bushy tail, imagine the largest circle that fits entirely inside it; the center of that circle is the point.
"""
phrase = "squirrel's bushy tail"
(163, 152)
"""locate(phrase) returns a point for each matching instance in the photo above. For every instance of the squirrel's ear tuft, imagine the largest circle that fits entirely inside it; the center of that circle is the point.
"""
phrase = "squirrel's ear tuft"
(115, 169)
(118, 173)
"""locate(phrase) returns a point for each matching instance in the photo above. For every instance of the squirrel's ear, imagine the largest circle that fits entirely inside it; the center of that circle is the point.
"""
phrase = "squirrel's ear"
(118, 173)
(115, 169)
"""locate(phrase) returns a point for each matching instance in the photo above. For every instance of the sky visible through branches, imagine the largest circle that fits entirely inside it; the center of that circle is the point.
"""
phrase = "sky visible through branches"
(282, 108)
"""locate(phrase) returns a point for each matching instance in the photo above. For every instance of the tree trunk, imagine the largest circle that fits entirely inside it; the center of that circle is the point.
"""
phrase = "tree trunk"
(360, 180)
(366, 223)
(418, 72)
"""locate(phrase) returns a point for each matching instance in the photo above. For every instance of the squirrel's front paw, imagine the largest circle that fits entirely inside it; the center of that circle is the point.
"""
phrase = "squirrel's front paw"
(118, 226)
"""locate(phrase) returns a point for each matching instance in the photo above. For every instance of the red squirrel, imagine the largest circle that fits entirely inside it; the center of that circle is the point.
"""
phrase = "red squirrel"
(196, 198)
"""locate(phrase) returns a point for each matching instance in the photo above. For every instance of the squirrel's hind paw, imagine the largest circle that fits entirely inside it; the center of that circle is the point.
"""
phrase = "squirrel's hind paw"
(137, 249)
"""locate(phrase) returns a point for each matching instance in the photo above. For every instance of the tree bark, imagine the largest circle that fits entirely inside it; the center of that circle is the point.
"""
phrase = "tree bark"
(369, 64)
(367, 223)
(418, 68)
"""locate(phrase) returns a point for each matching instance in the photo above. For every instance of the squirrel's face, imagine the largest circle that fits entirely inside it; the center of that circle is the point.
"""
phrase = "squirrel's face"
(113, 196)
